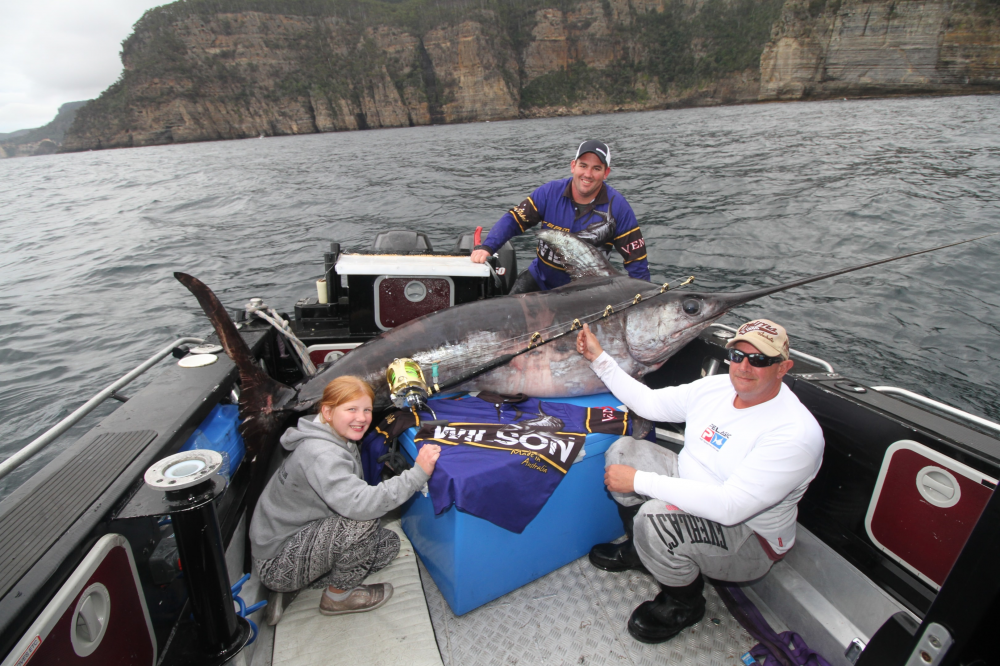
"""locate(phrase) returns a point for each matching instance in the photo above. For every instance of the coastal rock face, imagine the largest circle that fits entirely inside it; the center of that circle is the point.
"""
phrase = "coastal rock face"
(44, 140)
(970, 47)
(191, 74)
(561, 39)
(240, 75)
(854, 48)
(470, 66)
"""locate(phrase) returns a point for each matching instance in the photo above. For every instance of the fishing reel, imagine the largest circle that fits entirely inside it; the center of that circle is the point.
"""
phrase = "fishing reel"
(407, 386)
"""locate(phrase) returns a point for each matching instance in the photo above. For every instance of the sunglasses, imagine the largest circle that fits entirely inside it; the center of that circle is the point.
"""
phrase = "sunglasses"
(756, 360)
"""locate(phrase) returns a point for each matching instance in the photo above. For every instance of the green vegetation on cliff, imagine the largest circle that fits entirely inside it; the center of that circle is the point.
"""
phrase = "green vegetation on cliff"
(684, 44)
(686, 47)
(325, 64)
(681, 45)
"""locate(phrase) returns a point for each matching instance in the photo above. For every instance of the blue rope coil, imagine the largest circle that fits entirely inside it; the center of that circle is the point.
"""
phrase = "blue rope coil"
(244, 609)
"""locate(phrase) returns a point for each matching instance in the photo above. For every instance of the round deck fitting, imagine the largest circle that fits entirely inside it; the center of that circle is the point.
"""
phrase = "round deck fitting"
(206, 349)
(183, 470)
(197, 360)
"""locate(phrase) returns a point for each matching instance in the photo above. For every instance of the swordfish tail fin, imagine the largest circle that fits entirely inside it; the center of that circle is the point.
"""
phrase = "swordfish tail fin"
(261, 398)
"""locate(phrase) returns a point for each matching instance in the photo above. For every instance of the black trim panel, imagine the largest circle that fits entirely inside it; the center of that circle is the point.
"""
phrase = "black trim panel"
(172, 406)
(29, 527)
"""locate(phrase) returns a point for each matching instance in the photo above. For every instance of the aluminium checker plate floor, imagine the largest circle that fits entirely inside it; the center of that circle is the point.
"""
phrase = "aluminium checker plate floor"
(576, 615)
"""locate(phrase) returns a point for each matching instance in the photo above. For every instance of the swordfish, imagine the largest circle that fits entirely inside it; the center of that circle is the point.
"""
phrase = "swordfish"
(640, 336)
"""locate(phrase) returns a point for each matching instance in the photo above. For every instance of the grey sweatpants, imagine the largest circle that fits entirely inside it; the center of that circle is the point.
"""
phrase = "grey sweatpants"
(335, 551)
(675, 546)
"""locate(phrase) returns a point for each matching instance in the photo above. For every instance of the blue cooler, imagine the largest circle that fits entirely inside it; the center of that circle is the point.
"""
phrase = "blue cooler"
(474, 561)
(220, 432)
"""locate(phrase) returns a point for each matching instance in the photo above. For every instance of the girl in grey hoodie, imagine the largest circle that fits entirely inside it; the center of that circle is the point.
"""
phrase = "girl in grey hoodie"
(317, 521)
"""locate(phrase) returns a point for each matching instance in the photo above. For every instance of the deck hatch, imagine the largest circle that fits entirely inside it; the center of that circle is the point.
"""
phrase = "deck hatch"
(37, 521)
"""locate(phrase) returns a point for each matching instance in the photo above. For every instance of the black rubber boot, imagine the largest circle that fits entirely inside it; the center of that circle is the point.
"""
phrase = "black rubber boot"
(619, 556)
(673, 609)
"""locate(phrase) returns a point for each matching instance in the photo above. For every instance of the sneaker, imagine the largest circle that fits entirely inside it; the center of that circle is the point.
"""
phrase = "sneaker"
(664, 617)
(362, 598)
(616, 556)
(277, 602)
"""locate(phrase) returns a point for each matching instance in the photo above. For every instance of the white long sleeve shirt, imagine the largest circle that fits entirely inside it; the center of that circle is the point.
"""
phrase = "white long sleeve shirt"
(747, 465)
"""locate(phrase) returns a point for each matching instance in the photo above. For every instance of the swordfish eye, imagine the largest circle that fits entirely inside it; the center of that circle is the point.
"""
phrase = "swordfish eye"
(691, 306)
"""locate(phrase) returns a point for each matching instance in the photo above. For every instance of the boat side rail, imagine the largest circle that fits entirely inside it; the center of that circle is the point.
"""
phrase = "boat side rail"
(791, 352)
(947, 409)
(50, 435)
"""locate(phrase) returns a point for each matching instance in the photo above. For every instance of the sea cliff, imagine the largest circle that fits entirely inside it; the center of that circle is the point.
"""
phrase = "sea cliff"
(880, 48)
(43, 140)
(224, 69)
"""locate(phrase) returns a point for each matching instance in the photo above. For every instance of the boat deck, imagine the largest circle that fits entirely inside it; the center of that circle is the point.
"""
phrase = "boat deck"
(577, 615)
(574, 615)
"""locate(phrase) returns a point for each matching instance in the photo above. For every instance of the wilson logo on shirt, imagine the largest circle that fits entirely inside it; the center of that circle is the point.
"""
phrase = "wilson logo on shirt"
(715, 437)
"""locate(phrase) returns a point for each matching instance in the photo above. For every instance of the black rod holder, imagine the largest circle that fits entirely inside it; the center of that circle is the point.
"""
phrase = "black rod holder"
(184, 486)
(203, 559)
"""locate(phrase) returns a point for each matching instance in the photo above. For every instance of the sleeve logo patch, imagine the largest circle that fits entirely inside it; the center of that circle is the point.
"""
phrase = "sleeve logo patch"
(633, 246)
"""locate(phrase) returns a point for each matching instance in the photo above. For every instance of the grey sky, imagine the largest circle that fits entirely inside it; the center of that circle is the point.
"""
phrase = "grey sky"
(58, 51)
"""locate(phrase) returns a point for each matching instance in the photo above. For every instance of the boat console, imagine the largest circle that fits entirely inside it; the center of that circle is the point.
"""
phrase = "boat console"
(399, 279)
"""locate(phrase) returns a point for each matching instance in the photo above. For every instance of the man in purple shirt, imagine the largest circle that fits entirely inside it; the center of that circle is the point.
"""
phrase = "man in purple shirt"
(583, 205)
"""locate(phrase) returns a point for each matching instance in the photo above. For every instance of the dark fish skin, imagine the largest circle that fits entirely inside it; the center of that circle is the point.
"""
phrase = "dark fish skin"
(468, 336)
(459, 339)
(464, 337)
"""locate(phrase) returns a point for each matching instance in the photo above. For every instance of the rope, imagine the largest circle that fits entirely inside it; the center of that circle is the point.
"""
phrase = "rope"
(271, 316)
(244, 609)
(496, 278)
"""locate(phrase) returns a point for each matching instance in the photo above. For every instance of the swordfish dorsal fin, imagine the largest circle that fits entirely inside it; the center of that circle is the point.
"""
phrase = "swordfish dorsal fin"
(580, 259)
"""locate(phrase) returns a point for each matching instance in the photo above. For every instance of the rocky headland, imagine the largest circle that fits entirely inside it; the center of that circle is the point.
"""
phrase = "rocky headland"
(44, 140)
(224, 69)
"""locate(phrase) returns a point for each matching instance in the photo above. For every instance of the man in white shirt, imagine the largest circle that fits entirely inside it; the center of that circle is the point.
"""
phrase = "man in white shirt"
(726, 505)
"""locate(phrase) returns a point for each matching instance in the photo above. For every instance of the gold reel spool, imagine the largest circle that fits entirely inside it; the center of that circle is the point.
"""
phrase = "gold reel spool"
(407, 386)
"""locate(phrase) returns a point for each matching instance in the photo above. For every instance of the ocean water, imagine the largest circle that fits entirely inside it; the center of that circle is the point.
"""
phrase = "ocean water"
(740, 197)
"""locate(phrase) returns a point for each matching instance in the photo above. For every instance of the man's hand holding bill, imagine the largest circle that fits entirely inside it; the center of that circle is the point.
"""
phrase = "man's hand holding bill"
(587, 344)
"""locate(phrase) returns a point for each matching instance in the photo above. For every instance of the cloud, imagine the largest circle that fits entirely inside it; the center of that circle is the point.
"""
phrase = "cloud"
(58, 51)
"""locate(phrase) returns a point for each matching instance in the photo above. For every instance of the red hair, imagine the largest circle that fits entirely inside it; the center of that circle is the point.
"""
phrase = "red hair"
(344, 389)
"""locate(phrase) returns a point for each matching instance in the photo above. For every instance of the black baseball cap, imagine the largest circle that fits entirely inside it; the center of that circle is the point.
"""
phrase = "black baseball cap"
(600, 149)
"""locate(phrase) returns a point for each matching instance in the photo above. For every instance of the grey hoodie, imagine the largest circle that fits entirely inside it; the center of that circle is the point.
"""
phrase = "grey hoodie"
(322, 476)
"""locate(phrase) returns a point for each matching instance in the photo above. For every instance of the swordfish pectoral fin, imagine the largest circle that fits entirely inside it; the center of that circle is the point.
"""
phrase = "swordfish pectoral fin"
(262, 399)
(579, 259)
